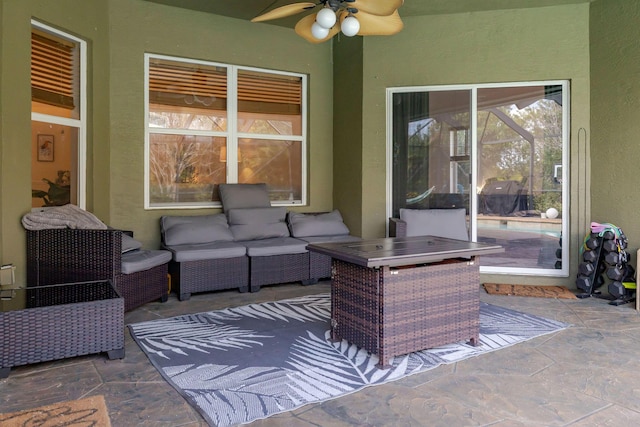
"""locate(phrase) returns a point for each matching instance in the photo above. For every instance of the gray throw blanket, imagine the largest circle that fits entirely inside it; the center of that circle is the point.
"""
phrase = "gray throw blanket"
(67, 216)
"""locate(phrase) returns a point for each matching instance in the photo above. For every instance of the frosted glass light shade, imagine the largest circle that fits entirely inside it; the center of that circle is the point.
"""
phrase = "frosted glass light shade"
(350, 26)
(326, 18)
(318, 31)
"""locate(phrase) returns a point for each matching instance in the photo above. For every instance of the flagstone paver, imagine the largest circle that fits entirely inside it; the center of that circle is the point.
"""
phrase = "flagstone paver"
(582, 376)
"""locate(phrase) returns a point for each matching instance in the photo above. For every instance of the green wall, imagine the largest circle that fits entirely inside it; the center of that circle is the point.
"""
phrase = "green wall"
(501, 46)
(592, 45)
(82, 18)
(347, 135)
(118, 33)
(139, 27)
(615, 106)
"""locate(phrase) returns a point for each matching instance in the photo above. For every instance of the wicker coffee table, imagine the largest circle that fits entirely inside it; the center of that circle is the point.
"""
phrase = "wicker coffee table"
(45, 323)
(396, 296)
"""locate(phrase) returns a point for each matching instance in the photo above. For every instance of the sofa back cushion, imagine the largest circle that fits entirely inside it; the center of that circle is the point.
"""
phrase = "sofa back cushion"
(242, 196)
(325, 224)
(258, 223)
(129, 243)
(451, 223)
(184, 230)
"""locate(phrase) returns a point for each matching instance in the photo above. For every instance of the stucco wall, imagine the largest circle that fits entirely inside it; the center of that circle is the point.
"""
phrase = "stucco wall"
(502, 46)
(118, 33)
(138, 27)
(562, 42)
(615, 107)
(347, 136)
(87, 20)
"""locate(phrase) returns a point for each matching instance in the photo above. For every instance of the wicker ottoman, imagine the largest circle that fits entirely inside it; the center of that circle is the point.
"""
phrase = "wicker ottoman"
(55, 322)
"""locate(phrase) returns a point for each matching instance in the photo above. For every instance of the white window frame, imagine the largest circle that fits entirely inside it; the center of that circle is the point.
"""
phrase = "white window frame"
(81, 123)
(232, 134)
(473, 208)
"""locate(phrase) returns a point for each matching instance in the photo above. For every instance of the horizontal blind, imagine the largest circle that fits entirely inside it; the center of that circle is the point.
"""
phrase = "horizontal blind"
(269, 93)
(52, 71)
(191, 86)
(199, 86)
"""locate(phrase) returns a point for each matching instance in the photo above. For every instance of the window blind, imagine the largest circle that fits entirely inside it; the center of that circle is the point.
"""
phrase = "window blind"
(206, 87)
(269, 93)
(52, 71)
(202, 87)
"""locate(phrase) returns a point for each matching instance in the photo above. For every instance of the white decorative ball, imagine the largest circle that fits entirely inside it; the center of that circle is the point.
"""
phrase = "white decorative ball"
(350, 26)
(552, 213)
(326, 18)
(318, 31)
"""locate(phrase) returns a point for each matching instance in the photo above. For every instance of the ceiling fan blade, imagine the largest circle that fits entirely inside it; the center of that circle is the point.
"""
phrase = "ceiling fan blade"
(284, 11)
(373, 25)
(303, 29)
(377, 7)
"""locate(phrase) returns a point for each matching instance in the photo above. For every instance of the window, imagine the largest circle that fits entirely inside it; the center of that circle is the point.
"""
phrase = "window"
(58, 129)
(500, 152)
(210, 123)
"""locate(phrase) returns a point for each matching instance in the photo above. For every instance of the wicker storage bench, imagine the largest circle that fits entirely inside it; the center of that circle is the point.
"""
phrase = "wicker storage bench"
(394, 311)
(55, 322)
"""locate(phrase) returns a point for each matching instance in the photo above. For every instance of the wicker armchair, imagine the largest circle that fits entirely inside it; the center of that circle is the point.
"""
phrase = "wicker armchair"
(78, 255)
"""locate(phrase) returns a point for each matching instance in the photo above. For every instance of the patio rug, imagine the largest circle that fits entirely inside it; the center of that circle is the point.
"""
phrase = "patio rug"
(90, 411)
(241, 364)
(529, 291)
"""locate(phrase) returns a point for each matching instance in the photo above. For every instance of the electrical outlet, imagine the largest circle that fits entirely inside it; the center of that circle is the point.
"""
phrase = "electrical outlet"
(7, 274)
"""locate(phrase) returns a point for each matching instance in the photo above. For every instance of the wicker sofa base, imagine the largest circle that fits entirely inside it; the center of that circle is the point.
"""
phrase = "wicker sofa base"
(142, 287)
(319, 266)
(395, 311)
(62, 321)
(274, 269)
(209, 275)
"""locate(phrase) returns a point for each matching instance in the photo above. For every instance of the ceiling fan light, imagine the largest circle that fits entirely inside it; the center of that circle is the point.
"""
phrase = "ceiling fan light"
(326, 18)
(350, 26)
(318, 31)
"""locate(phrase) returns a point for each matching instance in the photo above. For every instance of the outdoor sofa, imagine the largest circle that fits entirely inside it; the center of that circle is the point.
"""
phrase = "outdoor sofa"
(249, 245)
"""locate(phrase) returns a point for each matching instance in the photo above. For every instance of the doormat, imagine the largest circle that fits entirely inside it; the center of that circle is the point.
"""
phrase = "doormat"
(529, 291)
(90, 411)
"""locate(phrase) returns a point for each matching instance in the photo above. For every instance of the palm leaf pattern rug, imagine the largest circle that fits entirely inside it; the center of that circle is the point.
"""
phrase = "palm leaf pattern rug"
(246, 363)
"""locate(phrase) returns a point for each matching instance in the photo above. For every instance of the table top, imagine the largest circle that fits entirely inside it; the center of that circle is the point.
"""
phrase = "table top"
(400, 251)
(14, 298)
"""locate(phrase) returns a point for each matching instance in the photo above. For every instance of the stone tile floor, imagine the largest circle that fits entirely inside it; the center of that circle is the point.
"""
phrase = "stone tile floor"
(586, 375)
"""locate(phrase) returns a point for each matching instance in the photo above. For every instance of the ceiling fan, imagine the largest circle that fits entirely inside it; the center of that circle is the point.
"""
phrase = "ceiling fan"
(361, 17)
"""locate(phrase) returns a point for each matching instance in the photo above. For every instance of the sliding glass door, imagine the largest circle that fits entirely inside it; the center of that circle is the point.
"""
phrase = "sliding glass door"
(499, 152)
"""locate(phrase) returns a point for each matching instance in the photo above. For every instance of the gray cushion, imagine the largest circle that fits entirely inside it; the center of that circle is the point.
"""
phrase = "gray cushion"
(258, 223)
(183, 230)
(129, 243)
(449, 223)
(216, 250)
(341, 238)
(240, 196)
(276, 246)
(141, 260)
(327, 224)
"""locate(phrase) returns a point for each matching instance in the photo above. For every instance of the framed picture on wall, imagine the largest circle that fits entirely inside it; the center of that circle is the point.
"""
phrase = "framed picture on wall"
(45, 148)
